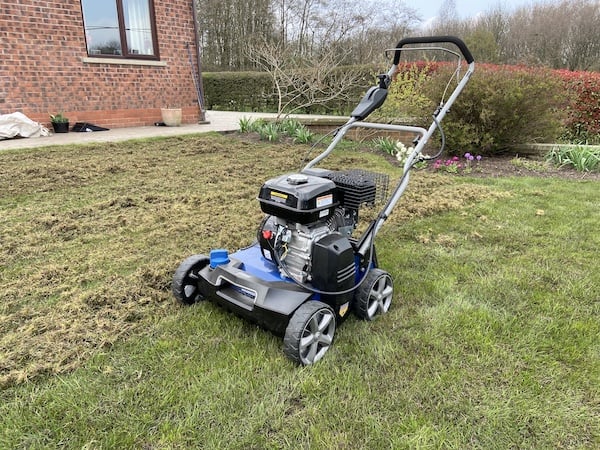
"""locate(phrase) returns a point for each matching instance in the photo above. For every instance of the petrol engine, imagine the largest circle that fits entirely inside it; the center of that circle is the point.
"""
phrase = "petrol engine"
(309, 224)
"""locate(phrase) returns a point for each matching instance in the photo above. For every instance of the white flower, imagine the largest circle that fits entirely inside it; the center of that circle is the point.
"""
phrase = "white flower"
(402, 152)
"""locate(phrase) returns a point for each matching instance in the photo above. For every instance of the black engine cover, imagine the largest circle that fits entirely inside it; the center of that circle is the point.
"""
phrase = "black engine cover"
(333, 268)
(299, 198)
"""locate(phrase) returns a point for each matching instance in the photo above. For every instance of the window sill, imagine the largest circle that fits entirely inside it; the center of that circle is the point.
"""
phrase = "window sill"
(123, 61)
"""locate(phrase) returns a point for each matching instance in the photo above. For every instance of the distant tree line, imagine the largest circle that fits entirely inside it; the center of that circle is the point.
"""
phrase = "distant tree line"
(561, 34)
(353, 30)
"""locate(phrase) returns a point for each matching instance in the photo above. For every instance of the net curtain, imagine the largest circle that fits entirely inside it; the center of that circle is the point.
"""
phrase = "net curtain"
(137, 24)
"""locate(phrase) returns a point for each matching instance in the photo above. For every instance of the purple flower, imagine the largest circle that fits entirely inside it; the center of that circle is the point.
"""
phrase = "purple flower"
(468, 156)
(478, 157)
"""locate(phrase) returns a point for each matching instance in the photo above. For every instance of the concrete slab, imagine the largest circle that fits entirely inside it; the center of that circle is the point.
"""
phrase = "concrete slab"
(221, 121)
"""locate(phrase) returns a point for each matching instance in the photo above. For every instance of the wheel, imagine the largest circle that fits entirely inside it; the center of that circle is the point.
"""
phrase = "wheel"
(374, 295)
(185, 281)
(309, 333)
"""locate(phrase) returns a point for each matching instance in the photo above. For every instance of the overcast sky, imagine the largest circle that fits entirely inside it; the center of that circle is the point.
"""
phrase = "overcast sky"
(466, 8)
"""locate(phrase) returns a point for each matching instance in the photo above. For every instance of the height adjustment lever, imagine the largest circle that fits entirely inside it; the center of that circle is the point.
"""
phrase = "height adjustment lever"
(373, 99)
(384, 80)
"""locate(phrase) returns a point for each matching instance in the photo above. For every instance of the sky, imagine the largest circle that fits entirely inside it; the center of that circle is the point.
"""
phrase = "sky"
(428, 9)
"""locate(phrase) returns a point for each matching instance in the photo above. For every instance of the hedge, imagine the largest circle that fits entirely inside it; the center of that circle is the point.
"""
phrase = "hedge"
(254, 91)
(583, 111)
(239, 91)
(502, 106)
(510, 105)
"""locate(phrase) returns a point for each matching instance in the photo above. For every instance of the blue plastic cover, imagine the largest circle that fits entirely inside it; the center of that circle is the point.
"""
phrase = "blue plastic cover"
(217, 257)
(256, 264)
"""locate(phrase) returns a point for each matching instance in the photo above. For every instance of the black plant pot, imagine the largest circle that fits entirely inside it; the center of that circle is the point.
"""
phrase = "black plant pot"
(60, 127)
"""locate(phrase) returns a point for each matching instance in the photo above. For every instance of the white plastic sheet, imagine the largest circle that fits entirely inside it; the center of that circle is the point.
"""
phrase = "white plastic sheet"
(18, 124)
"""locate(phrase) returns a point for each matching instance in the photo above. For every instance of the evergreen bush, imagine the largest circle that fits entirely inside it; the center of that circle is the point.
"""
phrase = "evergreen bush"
(583, 112)
(500, 108)
(239, 91)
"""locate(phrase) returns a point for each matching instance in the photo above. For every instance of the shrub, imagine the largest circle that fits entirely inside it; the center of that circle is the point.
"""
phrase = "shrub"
(501, 107)
(239, 91)
(406, 96)
(583, 111)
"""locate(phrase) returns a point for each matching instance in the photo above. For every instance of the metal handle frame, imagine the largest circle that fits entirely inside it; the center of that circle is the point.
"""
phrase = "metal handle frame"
(424, 134)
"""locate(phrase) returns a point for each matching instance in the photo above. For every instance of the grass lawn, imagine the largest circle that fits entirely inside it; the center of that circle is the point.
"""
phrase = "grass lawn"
(493, 340)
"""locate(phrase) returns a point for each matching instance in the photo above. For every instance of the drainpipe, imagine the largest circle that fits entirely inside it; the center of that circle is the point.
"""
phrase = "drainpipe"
(198, 59)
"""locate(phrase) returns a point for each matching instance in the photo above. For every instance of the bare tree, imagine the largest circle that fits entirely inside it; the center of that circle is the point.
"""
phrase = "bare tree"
(225, 25)
(308, 27)
(558, 34)
(301, 83)
(581, 49)
(561, 35)
(448, 11)
(371, 28)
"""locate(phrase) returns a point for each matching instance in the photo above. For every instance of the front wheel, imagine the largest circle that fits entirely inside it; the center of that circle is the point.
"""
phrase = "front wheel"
(185, 281)
(309, 333)
(374, 295)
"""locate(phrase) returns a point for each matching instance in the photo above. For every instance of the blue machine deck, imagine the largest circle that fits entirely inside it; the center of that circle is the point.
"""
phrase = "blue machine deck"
(257, 265)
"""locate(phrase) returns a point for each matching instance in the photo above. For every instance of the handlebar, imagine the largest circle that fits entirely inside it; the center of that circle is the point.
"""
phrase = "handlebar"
(431, 40)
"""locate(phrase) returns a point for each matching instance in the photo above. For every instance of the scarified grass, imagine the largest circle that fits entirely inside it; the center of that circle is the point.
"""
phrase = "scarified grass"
(492, 340)
(91, 235)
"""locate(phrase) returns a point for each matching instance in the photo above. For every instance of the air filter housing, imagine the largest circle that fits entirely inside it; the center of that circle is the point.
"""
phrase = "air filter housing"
(359, 187)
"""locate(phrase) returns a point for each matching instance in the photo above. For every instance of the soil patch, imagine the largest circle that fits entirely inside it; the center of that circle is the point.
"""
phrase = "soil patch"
(515, 166)
(505, 165)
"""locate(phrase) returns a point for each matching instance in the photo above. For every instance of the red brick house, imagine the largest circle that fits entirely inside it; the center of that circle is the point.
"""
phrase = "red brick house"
(113, 63)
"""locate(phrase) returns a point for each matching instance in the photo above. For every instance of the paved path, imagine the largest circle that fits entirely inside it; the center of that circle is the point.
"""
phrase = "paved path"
(218, 121)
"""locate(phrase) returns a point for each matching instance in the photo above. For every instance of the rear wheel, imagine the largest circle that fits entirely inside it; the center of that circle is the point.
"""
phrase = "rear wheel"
(185, 281)
(374, 295)
(309, 333)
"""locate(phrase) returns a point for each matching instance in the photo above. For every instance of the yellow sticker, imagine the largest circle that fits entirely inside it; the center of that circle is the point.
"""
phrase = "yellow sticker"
(278, 196)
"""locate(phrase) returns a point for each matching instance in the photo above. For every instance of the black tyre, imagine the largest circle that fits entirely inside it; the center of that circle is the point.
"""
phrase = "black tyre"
(185, 281)
(309, 333)
(374, 295)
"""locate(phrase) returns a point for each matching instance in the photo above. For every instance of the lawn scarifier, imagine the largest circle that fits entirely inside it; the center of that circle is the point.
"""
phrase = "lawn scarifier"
(306, 271)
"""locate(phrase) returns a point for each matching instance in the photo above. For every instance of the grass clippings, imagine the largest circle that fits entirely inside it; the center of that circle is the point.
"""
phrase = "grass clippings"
(91, 235)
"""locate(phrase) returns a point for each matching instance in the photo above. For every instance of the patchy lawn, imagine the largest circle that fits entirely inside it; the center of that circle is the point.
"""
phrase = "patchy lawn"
(91, 235)
(491, 342)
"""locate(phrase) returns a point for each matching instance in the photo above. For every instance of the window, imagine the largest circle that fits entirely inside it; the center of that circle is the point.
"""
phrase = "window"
(120, 28)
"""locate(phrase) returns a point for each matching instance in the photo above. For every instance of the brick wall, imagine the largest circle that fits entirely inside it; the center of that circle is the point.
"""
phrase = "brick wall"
(43, 69)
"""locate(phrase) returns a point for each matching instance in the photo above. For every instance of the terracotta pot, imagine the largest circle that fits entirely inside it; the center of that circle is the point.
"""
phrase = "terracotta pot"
(171, 117)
